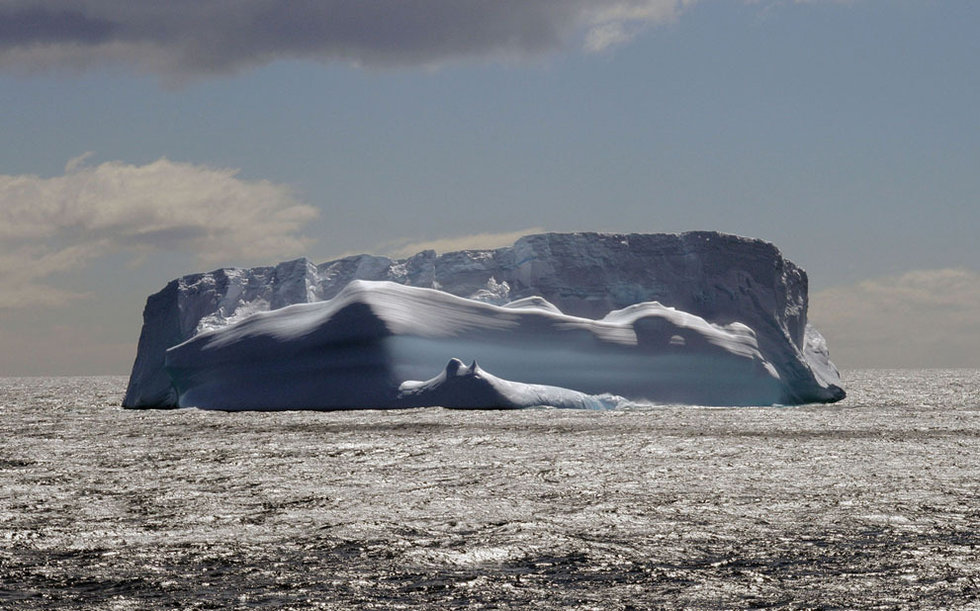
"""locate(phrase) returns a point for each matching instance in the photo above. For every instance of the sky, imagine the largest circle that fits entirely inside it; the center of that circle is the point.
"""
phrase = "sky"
(144, 140)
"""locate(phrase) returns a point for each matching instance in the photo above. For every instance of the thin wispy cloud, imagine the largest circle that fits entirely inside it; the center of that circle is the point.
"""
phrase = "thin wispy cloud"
(927, 318)
(407, 248)
(63, 223)
(181, 39)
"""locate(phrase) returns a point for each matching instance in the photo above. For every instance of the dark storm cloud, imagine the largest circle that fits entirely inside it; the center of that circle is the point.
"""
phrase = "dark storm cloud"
(34, 25)
(184, 37)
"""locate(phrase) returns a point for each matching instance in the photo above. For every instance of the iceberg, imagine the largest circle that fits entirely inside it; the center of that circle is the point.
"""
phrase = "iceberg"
(583, 320)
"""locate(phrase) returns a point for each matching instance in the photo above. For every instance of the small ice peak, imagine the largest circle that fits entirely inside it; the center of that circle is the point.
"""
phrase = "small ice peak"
(496, 293)
(455, 368)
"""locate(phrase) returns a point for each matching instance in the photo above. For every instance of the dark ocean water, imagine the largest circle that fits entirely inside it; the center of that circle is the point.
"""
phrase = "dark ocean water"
(870, 503)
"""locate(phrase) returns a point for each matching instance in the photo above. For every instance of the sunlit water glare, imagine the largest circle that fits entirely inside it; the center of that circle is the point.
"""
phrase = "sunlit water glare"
(871, 502)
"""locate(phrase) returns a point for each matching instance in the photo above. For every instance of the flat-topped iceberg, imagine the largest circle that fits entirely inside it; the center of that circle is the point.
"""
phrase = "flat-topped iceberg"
(567, 320)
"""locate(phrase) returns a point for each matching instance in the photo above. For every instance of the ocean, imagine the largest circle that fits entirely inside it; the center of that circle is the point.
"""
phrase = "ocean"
(868, 503)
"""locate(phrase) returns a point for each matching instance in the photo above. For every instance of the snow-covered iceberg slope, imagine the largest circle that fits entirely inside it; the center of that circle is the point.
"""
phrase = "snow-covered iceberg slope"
(563, 319)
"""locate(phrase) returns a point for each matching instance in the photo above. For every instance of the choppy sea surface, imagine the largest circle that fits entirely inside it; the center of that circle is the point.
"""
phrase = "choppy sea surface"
(869, 503)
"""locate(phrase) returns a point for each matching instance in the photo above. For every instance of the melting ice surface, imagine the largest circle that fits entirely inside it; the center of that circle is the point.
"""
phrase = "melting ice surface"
(375, 343)
(372, 333)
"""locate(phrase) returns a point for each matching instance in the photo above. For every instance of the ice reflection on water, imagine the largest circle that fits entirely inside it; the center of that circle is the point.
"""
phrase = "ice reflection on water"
(869, 502)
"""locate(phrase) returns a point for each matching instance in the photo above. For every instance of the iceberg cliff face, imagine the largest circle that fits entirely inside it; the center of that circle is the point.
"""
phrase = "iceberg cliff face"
(725, 283)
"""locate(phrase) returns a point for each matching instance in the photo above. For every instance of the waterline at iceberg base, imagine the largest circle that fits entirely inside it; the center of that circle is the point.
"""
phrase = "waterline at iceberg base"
(583, 320)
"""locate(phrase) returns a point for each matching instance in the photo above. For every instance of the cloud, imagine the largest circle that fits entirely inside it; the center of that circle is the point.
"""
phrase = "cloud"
(927, 318)
(406, 248)
(180, 39)
(55, 225)
(57, 348)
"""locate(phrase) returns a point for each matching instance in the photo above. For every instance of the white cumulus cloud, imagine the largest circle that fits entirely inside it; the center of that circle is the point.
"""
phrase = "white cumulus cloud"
(58, 224)
(926, 318)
